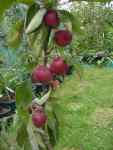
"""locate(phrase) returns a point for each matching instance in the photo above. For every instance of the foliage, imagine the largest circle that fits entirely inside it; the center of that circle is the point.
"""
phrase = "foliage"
(28, 28)
(96, 24)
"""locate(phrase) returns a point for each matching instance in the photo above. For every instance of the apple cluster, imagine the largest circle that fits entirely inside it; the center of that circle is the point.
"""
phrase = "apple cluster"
(62, 37)
(58, 67)
(45, 75)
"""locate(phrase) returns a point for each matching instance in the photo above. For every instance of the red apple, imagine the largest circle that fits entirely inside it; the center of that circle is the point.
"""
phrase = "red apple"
(41, 74)
(51, 18)
(58, 66)
(39, 119)
(63, 37)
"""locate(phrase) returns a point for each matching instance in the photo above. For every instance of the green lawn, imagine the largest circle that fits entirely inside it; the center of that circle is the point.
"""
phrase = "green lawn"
(85, 110)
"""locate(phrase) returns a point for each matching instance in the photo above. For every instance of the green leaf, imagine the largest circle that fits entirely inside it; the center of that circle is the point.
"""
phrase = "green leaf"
(52, 125)
(2, 83)
(30, 13)
(24, 99)
(25, 1)
(69, 17)
(5, 5)
(36, 21)
(22, 137)
(24, 93)
(50, 3)
(35, 41)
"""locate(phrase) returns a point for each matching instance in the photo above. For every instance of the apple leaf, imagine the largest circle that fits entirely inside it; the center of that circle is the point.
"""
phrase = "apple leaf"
(24, 93)
(30, 13)
(22, 137)
(52, 124)
(25, 1)
(50, 3)
(24, 99)
(35, 21)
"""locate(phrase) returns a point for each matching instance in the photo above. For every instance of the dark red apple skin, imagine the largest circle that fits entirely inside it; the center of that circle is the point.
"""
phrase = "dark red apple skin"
(51, 18)
(39, 119)
(58, 66)
(63, 37)
(41, 74)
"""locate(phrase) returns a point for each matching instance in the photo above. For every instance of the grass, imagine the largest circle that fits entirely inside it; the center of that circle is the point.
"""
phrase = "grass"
(85, 111)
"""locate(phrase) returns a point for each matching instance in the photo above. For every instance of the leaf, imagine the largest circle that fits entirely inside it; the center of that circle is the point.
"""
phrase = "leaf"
(35, 41)
(24, 99)
(2, 83)
(30, 13)
(52, 125)
(43, 99)
(25, 1)
(22, 137)
(50, 3)
(68, 16)
(36, 21)
(24, 93)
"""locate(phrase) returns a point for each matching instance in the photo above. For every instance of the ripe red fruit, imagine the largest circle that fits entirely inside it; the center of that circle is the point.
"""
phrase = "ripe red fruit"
(39, 119)
(63, 37)
(51, 18)
(41, 74)
(58, 66)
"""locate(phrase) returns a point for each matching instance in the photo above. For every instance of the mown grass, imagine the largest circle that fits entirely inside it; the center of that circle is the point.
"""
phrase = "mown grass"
(85, 111)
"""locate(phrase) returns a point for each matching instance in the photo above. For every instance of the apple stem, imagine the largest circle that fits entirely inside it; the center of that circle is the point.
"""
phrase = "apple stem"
(46, 46)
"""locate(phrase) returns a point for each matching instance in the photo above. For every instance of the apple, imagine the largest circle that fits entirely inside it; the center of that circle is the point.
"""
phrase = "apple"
(63, 37)
(51, 18)
(39, 119)
(58, 67)
(41, 74)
